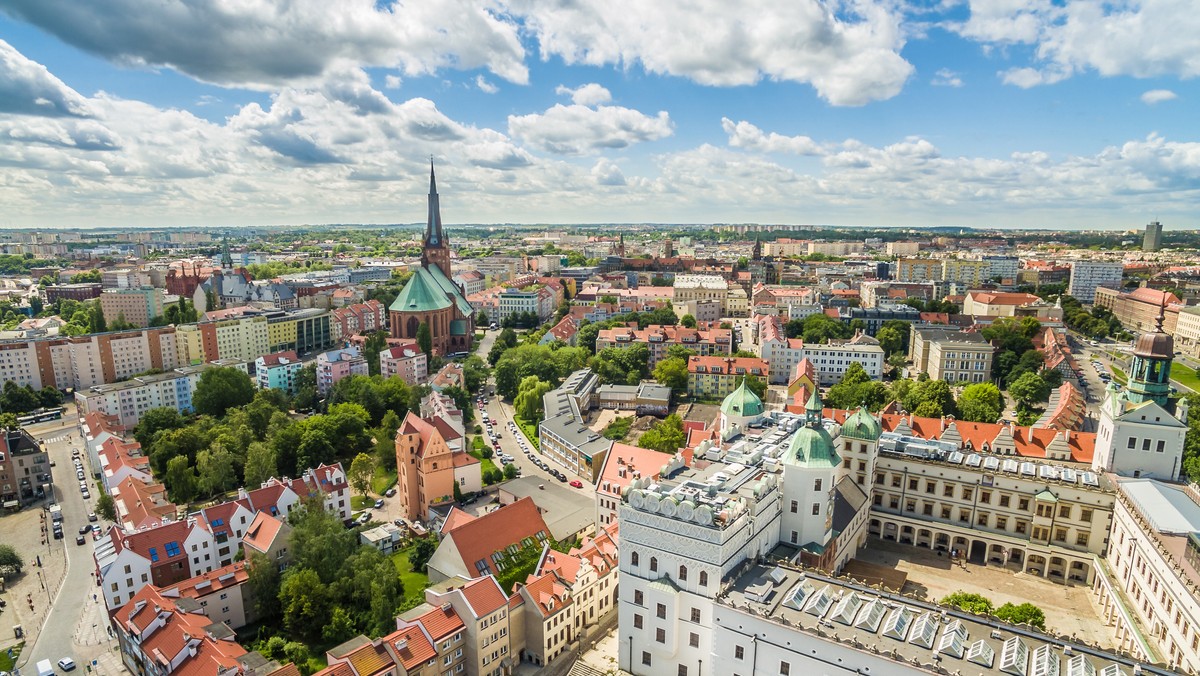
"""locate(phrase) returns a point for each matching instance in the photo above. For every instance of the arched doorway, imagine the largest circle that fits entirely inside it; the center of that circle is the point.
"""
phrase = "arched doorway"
(1079, 572)
(889, 531)
(978, 552)
(941, 542)
(924, 538)
(1058, 568)
(906, 535)
(1036, 565)
(875, 528)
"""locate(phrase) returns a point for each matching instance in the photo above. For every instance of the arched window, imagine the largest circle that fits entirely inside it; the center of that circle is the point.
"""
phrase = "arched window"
(703, 578)
(633, 559)
(653, 564)
(682, 573)
(413, 325)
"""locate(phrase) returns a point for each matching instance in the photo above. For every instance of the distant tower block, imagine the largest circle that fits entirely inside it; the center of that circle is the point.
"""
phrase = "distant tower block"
(1153, 239)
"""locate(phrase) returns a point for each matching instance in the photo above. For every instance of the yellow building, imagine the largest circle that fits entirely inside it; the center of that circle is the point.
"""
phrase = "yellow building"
(918, 270)
(970, 273)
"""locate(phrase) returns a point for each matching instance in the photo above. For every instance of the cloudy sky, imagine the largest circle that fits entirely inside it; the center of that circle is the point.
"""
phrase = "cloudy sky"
(1010, 113)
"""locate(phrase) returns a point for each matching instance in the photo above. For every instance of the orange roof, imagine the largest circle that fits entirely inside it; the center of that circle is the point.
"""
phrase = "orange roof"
(625, 459)
(411, 646)
(370, 659)
(464, 460)
(440, 623)
(992, 298)
(262, 531)
(456, 518)
(143, 504)
(478, 539)
(207, 583)
(484, 595)
(177, 631)
(548, 594)
(727, 365)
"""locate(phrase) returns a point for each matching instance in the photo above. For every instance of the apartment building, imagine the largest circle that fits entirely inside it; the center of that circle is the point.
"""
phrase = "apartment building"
(335, 365)
(1139, 310)
(127, 562)
(716, 377)
(405, 361)
(690, 288)
(129, 400)
(242, 337)
(965, 272)
(483, 607)
(831, 359)
(538, 299)
(222, 595)
(1087, 276)
(359, 318)
(658, 338)
(1187, 331)
(163, 635)
(80, 362)
(902, 248)
(81, 291)
(303, 331)
(562, 434)
(918, 270)
(25, 472)
(136, 306)
(470, 281)
(957, 357)
(1002, 268)
(993, 304)
(278, 371)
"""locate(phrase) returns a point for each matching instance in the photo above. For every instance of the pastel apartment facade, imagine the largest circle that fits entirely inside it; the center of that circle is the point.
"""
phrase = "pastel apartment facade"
(334, 365)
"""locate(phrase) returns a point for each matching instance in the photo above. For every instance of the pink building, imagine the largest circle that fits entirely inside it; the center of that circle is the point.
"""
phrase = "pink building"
(334, 365)
(360, 318)
(405, 361)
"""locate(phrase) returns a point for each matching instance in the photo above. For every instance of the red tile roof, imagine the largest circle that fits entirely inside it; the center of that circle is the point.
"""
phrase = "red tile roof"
(207, 583)
(440, 623)
(275, 358)
(549, 595)
(411, 646)
(456, 518)
(178, 630)
(262, 531)
(484, 595)
(477, 540)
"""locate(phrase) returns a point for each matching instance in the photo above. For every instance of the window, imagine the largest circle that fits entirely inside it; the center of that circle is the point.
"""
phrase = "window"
(912, 484)
(633, 559)
(637, 621)
(1081, 539)
(153, 556)
(930, 487)
(1060, 534)
(817, 485)
(1003, 500)
(660, 635)
(967, 493)
(1023, 505)
(964, 515)
(795, 506)
(696, 615)
(654, 564)
(1159, 447)
(1001, 523)
(172, 549)
(894, 502)
(1064, 511)
(985, 497)
(683, 573)
(739, 653)
(793, 538)
(981, 519)
(637, 597)
(661, 611)
(896, 481)
(645, 658)
(816, 509)
(694, 640)
(948, 491)
(1020, 527)
(927, 509)
(1085, 515)
(682, 669)
(1145, 444)
(946, 513)
(703, 578)
(784, 669)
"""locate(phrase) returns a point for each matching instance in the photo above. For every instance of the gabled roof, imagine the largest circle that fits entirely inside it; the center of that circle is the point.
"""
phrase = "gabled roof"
(484, 595)
(456, 518)
(477, 540)
(412, 647)
(262, 531)
(549, 595)
(440, 622)
(208, 583)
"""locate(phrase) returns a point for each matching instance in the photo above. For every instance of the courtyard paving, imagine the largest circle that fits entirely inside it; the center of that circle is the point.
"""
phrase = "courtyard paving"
(1070, 608)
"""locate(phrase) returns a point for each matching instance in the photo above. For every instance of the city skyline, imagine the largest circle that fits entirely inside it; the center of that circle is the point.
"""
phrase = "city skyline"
(980, 114)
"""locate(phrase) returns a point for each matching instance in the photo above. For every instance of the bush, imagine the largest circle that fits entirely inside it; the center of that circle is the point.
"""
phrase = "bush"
(972, 603)
(1025, 613)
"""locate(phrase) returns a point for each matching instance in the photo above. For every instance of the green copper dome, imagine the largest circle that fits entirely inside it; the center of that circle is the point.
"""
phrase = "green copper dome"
(862, 425)
(742, 402)
(812, 447)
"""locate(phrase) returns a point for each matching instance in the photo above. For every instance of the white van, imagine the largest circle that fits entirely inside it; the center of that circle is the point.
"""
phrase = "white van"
(45, 668)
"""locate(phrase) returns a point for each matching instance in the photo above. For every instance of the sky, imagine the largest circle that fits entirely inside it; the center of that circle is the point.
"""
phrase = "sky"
(1065, 114)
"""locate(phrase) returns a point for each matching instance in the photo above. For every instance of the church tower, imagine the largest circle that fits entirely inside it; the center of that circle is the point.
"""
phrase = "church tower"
(435, 251)
(1150, 375)
(226, 257)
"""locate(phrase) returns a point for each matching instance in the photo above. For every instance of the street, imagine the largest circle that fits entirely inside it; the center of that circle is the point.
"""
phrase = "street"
(76, 624)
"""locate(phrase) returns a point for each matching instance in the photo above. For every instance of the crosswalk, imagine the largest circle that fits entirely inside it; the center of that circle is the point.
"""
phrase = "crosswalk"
(55, 440)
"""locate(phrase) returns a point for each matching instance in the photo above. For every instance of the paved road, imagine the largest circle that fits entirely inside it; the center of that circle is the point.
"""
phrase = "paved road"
(57, 639)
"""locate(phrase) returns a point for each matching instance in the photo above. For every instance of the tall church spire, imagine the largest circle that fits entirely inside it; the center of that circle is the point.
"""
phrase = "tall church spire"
(436, 250)
(226, 258)
(433, 226)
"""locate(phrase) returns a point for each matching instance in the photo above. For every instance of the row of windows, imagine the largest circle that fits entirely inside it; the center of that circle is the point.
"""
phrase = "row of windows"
(683, 571)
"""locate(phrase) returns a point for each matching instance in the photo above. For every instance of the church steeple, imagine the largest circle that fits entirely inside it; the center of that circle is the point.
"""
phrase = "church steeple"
(226, 258)
(435, 250)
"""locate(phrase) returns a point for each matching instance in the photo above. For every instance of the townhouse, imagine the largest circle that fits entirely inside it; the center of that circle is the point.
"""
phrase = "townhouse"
(658, 338)
(715, 377)
(160, 635)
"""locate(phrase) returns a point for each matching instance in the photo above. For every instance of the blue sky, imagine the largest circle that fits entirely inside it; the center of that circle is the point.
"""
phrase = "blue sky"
(1006, 113)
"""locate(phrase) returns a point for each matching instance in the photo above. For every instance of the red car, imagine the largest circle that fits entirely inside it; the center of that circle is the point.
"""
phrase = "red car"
(576, 483)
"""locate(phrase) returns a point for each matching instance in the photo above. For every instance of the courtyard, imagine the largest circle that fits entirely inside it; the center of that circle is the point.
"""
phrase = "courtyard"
(1070, 608)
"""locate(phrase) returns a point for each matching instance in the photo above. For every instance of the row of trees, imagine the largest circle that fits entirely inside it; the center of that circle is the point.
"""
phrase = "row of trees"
(17, 399)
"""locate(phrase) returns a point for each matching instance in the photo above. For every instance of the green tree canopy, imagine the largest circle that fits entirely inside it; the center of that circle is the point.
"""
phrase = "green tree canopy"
(1025, 613)
(666, 436)
(673, 373)
(221, 388)
(980, 402)
(972, 603)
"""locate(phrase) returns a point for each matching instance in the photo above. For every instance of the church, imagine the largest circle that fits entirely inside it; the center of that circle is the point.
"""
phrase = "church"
(430, 296)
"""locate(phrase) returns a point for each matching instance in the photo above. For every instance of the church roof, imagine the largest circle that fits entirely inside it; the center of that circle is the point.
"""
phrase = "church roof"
(421, 293)
(451, 290)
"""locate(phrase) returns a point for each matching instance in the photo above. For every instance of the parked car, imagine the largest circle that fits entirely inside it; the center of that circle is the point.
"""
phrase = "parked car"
(80, 539)
(66, 664)
(389, 492)
(364, 517)
(560, 476)
(84, 528)
(92, 516)
(576, 483)
(379, 504)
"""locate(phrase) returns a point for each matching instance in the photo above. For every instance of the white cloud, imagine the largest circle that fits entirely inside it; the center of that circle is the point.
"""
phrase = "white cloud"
(1139, 38)
(485, 86)
(1158, 96)
(264, 43)
(946, 78)
(590, 94)
(850, 54)
(745, 135)
(607, 172)
(28, 88)
(392, 81)
(580, 130)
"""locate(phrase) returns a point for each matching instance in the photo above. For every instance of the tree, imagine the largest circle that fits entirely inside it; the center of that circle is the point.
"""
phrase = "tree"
(688, 321)
(667, 436)
(1029, 389)
(361, 471)
(423, 550)
(980, 402)
(305, 602)
(339, 628)
(673, 373)
(9, 421)
(972, 603)
(510, 471)
(481, 319)
(372, 346)
(425, 339)
(263, 578)
(154, 421)
(756, 385)
(890, 340)
(180, 479)
(10, 562)
(528, 402)
(220, 389)
(475, 372)
(215, 469)
(105, 507)
(306, 387)
(1025, 613)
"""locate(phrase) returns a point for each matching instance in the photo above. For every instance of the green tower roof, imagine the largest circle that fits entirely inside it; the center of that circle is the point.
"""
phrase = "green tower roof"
(742, 402)
(422, 293)
(862, 425)
(812, 447)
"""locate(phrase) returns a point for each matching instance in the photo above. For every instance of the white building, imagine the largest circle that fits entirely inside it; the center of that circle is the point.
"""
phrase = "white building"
(131, 399)
(1087, 275)
(831, 359)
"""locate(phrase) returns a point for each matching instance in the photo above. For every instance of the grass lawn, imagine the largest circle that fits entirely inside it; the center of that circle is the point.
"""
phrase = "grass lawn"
(1186, 376)
(382, 480)
(485, 464)
(6, 664)
(1119, 375)
(414, 582)
(360, 502)
(529, 430)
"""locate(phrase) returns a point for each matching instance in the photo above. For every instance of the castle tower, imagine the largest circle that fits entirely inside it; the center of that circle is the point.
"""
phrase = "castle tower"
(1150, 376)
(435, 250)
(810, 468)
